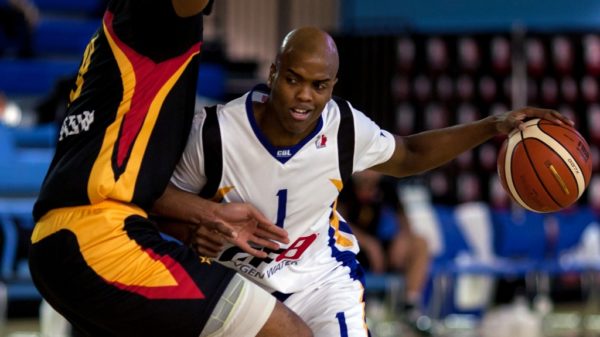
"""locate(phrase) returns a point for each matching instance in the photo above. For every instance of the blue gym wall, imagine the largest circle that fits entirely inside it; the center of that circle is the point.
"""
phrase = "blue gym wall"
(385, 16)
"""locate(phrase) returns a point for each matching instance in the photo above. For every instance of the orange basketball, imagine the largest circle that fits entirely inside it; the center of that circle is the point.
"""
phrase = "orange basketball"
(546, 167)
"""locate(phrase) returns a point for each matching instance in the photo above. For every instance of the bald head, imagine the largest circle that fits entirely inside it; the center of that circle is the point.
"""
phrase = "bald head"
(301, 82)
(310, 41)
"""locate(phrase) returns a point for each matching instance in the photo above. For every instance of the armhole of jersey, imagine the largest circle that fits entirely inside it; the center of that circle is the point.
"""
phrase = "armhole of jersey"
(345, 139)
(213, 153)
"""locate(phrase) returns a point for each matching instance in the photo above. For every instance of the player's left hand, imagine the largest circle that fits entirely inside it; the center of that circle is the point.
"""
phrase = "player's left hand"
(514, 119)
(208, 243)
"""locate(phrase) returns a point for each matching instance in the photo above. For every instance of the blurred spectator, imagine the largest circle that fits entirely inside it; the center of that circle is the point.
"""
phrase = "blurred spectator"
(53, 107)
(501, 55)
(589, 89)
(406, 52)
(591, 54)
(371, 206)
(562, 54)
(468, 54)
(18, 19)
(437, 54)
(549, 94)
(465, 87)
(536, 57)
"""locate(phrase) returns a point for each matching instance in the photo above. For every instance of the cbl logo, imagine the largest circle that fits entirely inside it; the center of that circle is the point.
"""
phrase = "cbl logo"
(283, 153)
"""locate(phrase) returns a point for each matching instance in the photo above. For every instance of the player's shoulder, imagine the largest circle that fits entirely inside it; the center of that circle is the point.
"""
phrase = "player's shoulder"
(219, 114)
(220, 108)
(334, 108)
(234, 105)
(339, 108)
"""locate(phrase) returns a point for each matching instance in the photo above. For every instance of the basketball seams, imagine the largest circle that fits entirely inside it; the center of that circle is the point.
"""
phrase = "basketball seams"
(560, 126)
(555, 162)
(574, 133)
(535, 169)
(556, 147)
(510, 149)
(571, 130)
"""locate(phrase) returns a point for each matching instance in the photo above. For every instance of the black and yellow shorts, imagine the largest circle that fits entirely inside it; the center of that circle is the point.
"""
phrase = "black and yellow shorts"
(107, 269)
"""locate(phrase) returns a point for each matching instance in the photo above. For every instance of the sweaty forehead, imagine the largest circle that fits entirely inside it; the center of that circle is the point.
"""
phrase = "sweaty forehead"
(312, 64)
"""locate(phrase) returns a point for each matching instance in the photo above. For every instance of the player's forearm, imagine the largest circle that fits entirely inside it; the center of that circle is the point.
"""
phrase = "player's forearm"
(430, 149)
(184, 206)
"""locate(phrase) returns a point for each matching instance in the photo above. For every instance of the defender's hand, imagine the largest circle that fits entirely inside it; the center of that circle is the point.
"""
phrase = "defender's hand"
(208, 242)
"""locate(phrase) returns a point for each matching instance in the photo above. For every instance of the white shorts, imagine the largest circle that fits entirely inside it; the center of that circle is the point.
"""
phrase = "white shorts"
(334, 308)
(242, 310)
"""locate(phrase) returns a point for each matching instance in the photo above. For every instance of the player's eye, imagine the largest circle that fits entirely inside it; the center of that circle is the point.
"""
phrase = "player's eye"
(321, 85)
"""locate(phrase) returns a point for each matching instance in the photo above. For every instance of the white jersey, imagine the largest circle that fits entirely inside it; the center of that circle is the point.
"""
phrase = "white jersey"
(296, 187)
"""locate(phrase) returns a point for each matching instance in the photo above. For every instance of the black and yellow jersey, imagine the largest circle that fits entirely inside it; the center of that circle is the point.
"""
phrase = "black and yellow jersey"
(130, 108)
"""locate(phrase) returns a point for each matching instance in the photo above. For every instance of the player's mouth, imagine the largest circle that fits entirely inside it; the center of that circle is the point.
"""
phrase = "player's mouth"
(300, 114)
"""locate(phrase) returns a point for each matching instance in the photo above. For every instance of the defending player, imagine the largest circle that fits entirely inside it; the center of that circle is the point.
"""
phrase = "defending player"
(287, 147)
(95, 256)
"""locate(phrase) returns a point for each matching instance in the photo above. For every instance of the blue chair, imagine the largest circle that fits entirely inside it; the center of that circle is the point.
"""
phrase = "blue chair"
(443, 271)
(66, 37)
(16, 221)
(454, 242)
(70, 7)
(570, 226)
(22, 169)
(519, 234)
(22, 179)
(7, 144)
(499, 247)
(34, 77)
(42, 136)
(542, 239)
(389, 284)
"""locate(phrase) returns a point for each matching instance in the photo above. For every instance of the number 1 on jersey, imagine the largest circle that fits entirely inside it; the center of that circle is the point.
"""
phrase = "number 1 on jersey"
(281, 207)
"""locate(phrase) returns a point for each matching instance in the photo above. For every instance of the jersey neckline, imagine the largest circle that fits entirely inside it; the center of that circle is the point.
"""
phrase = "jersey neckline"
(281, 153)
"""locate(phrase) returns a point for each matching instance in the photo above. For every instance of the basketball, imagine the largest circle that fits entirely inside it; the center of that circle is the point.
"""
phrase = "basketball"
(546, 167)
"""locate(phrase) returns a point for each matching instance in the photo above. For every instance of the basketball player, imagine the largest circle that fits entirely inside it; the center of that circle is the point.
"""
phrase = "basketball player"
(95, 256)
(287, 147)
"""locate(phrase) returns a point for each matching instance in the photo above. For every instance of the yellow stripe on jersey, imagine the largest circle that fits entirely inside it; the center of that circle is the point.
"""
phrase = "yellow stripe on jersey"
(334, 221)
(102, 184)
(126, 182)
(102, 181)
(221, 193)
(337, 183)
(83, 69)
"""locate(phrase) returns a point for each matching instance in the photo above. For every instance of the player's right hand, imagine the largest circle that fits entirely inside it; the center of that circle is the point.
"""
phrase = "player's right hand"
(244, 226)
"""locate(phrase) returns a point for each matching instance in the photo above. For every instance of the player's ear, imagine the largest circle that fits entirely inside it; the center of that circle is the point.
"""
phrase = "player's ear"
(333, 82)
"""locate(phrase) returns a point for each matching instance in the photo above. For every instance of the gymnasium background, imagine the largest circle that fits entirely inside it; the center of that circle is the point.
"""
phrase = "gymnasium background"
(411, 66)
